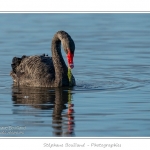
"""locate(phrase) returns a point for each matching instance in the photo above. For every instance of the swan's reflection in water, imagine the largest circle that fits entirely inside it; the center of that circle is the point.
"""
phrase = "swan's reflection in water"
(57, 99)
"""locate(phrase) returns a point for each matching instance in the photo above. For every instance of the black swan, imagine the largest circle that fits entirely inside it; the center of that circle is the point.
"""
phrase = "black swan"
(44, 71)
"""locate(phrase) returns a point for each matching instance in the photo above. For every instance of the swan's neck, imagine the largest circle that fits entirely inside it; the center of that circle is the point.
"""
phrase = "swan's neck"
(59, 63)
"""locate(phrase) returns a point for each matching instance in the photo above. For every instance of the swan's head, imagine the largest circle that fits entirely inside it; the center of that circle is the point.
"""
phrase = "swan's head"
(69, 48)
(68, 45)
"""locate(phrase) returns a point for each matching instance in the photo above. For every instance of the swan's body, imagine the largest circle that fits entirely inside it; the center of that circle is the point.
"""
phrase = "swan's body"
(44, 71)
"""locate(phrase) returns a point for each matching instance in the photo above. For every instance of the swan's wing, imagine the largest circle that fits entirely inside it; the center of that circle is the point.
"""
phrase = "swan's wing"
(33, 70)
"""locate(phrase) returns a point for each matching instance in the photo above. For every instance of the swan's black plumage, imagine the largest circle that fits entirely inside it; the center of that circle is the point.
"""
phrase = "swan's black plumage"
(44, 71)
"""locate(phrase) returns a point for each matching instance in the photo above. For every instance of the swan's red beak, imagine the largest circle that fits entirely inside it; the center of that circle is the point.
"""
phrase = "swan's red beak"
(70, 59)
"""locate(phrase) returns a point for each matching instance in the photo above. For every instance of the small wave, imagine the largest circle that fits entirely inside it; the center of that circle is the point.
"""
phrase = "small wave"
(101, 86)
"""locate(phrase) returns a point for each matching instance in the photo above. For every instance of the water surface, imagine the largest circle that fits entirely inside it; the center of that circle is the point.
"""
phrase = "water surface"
(112, 71)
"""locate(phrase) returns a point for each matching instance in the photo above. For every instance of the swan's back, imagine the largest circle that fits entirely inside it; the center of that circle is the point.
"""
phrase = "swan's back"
(37, 71)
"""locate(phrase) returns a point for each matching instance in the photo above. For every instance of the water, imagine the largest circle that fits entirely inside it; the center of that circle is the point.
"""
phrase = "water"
(112, 70)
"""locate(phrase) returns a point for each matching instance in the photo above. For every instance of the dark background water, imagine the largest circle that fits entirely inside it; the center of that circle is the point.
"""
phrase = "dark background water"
(112, 70)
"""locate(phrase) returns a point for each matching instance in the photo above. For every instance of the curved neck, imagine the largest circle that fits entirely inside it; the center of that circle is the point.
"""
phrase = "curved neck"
(58, 61)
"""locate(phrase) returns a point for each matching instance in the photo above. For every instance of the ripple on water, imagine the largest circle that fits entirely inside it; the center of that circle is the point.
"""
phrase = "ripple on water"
(104, 86)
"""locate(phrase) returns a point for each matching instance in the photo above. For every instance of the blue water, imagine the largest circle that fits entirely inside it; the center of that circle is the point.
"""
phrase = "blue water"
(112, 71)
